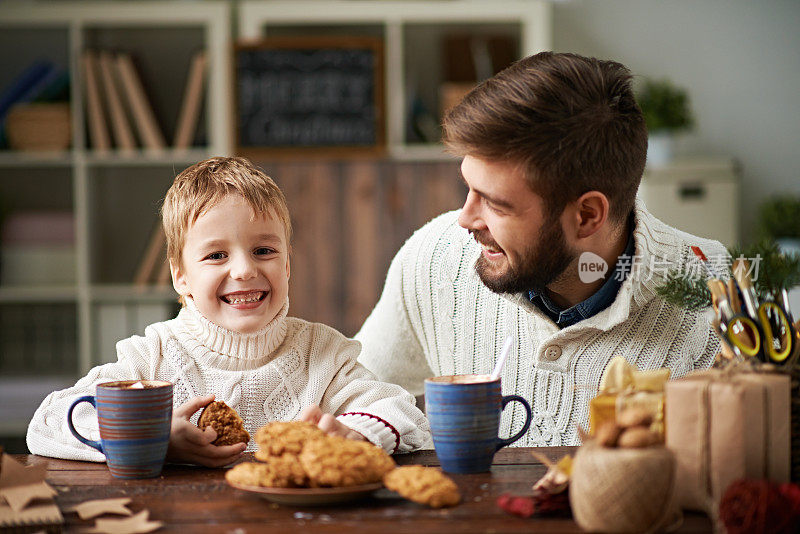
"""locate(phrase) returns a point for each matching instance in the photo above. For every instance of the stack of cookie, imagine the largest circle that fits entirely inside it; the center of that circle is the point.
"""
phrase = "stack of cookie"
(299, 455)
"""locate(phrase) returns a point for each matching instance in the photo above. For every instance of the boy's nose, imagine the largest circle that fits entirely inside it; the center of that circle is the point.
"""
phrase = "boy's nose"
(242, 268)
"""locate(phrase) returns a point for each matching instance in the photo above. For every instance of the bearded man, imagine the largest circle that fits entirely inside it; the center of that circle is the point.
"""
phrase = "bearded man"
(551, 247)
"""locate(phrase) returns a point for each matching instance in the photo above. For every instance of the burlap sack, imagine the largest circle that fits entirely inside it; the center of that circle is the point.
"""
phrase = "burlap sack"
(623, 490)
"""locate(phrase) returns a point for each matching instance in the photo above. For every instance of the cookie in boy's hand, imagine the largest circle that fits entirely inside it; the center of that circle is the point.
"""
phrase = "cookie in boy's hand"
(225, 421)
(425, 485)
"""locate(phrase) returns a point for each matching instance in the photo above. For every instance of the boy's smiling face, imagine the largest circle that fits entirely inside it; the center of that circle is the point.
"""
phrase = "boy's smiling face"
(234, 266)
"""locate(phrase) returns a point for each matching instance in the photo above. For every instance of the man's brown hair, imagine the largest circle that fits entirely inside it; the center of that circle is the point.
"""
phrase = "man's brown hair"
(199, 187)
(569, 121)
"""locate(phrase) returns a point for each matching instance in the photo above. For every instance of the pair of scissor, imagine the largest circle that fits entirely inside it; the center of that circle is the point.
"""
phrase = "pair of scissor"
(765, 331)
(776, 333)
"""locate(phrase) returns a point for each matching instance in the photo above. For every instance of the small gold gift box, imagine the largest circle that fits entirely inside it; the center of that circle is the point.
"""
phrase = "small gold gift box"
(622, 387)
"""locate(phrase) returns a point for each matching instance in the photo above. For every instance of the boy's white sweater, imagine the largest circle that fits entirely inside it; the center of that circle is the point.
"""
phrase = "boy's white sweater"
(266, 376)
(435, 317)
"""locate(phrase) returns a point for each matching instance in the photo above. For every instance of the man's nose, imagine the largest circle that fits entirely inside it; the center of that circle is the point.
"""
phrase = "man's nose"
(469, 217)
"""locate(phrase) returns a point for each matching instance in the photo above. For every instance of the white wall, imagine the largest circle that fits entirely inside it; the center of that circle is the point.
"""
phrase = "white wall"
(740, 61)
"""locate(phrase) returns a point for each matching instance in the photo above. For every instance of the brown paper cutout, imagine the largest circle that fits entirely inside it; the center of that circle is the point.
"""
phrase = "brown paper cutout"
(19, 485)
(92, 509)
(21, 496)
(132, 525)
(15, 474)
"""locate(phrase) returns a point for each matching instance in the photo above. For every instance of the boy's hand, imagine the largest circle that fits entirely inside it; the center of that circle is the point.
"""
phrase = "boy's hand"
(188, 443)
(328, 423)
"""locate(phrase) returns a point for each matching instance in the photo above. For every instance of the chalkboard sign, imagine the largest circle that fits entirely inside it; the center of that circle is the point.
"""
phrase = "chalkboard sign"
(321, 94)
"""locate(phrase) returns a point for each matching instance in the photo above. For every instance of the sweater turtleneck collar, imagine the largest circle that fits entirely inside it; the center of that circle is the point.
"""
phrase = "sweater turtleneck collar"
(228, 344)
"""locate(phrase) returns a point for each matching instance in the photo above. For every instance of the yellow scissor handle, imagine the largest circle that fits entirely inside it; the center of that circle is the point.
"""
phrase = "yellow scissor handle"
(744, 334)
(784, 333)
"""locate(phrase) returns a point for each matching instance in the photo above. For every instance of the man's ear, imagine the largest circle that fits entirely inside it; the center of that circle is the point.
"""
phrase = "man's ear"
(592, 213)
(178, 279)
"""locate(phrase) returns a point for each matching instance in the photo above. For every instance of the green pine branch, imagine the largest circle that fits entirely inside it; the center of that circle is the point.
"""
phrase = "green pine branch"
(685, 291)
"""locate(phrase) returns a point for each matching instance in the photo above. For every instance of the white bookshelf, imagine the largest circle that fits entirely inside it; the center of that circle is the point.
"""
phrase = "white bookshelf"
(84, 182)
(399, 23)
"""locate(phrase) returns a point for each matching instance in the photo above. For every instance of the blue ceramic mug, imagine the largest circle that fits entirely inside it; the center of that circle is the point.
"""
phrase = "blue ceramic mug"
(134, 418)
(464, 413)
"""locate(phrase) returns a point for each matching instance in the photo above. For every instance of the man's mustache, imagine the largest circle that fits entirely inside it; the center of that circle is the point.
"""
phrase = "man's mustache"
(484, 239)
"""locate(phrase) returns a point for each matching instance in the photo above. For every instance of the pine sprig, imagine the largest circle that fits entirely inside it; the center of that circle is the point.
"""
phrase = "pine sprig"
(685, 291)
(776, 270)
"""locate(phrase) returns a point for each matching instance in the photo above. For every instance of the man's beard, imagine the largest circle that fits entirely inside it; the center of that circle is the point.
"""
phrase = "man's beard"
(540, 264)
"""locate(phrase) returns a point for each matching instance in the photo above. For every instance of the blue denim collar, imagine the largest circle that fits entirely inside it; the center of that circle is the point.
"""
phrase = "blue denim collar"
(599, 301)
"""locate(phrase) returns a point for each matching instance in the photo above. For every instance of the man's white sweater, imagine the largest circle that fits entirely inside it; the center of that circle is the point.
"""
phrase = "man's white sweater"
(266, 376)
(435, 317)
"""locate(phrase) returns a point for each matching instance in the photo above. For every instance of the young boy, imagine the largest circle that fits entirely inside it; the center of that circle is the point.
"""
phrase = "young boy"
(228, 233)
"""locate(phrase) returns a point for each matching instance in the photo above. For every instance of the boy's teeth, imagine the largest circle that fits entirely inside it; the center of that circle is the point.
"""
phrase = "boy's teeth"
(241, 299)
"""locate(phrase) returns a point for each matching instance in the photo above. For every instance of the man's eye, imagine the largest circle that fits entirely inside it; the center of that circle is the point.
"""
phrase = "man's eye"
(216, 256)
(260, 251)
(491, 206)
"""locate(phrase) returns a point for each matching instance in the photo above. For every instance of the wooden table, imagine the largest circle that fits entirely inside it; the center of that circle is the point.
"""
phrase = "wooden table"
(197, 500)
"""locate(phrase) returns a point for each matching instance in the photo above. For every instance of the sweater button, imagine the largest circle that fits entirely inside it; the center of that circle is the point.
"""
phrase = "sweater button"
(552, 353)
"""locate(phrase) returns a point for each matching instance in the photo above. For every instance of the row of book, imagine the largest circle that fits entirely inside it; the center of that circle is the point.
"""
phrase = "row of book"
(41, 81)
(116, 100)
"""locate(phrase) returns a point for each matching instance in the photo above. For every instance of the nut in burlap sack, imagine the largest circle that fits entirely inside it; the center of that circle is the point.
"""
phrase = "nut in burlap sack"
(623, 490)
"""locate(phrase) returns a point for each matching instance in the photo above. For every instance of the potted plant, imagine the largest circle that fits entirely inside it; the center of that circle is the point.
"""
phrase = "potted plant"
(666, 110)
(779, 219)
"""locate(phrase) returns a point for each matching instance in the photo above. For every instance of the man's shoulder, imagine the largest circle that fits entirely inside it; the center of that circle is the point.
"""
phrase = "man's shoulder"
(670, 243)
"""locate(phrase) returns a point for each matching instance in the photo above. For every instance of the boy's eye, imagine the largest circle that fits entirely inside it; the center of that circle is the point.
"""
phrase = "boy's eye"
(216, 256)
(260, 251)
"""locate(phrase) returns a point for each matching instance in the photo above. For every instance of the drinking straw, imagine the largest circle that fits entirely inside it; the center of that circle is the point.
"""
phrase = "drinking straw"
(503, 357)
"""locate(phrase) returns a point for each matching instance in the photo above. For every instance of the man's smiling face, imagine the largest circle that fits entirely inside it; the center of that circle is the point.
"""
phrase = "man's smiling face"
(523, 247)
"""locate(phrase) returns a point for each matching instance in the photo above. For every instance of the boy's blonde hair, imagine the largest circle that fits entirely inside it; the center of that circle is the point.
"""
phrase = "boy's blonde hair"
(206, 183)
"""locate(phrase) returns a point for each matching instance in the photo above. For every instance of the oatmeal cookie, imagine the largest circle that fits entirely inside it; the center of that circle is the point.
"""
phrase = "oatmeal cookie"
(425, 485)
(275, 474)
(225, 421)
(279, 438)
(335, 461)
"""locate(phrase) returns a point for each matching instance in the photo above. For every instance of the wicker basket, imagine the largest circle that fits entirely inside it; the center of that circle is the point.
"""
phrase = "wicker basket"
(41, 126)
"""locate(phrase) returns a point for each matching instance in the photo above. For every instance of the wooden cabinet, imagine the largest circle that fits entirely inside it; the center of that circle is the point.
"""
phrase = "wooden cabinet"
(62, 305)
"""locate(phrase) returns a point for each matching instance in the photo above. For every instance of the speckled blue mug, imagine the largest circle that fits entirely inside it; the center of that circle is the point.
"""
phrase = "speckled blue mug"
(464, 413)
(134, 418)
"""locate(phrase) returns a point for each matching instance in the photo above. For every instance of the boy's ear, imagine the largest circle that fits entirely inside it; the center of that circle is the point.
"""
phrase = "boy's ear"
(178, 279)
(288, 265)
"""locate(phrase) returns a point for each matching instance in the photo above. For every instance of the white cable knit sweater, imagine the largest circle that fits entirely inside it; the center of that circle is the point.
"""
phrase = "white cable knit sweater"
(435, 317)
(269, 375)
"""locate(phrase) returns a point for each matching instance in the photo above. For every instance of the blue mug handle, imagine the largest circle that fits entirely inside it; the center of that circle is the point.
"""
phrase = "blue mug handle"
(91, 400)
(502, 442)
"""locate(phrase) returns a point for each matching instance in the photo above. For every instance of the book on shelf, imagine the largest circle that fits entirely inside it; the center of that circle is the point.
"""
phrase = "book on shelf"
(140, 107)
(98, 133)
(155, 255)
(41, 81)
(192, 102)
(120, 127)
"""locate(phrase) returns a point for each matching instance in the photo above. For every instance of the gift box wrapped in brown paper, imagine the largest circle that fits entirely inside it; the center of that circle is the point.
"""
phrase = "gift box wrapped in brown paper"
(724, 425)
